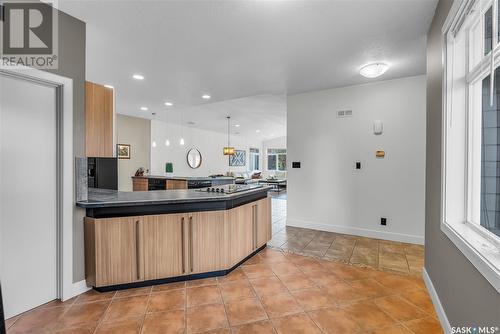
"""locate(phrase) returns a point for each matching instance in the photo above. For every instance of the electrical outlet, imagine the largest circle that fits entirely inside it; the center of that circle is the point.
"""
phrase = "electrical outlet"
(358, 165)
(383, 221)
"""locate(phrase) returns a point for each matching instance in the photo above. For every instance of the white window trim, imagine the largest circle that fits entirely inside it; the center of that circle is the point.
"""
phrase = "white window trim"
(250, 153)
(479, 245)
(276, 155)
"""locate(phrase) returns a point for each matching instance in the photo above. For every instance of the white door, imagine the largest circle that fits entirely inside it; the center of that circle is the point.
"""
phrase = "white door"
(28, 239)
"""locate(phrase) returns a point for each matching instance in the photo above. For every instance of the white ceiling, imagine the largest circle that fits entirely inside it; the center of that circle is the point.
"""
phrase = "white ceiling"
(249, 54)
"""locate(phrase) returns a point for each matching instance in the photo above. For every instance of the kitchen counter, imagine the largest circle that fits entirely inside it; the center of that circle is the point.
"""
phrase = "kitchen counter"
(142, 238)
(186, 178)
(111, 203)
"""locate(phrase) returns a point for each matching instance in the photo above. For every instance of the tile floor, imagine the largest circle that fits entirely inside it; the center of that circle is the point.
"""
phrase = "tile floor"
(275, 291)
(372, 253)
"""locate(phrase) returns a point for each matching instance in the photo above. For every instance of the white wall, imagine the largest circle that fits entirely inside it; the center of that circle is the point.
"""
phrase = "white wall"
(279, 142)
(137, 133)
(209, 143)
(327, 192)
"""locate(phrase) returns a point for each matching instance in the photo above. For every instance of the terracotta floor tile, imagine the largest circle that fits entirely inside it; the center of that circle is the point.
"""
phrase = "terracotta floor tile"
(280, 305)
(421, 299)
(396, 282)
(256, 259)
(368, 316)
(245, 311)
(258, 271)
(169, 287)
(205, 318)
(235, 275)
(394, 261)
(172, 322)
(82, 329)
(284, 268)
(313, 298)
(133, 292)
(203, 295)
(322, 277)
(9, 322)
(126, 307)
(344, 293)
(219, 331)
(334, 320)
(236, 290)
(295, 324)
(124, 326)
(201, 282)
(272, 256)
(348, 272)
(370, 288)
(93, 296)
(348, 240)
(365, 256)
(297, 282)
(339, 252)
(58, 303)
(268, 286)
(167, 301)
(428, 325)
(43, 319)
(83, 314)
(391, 247)
(260, 327)
(396, 329)
(399, 309)
(417, 250)
(308, 264)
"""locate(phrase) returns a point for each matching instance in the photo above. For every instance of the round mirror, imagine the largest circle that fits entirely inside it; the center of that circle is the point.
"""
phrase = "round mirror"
(194, 158)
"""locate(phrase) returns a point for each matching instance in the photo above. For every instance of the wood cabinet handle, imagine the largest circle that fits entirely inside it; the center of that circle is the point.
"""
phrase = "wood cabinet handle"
(137, 250)
(191, 243)
(182, 246)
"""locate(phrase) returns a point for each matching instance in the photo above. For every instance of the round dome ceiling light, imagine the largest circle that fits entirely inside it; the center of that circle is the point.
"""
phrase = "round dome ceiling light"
(373, 70)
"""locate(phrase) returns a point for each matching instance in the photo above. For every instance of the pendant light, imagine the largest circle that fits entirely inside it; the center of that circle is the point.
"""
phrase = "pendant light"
(228, 150)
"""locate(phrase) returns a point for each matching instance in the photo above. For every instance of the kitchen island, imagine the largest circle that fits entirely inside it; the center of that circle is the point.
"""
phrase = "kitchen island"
(160, 182)
(136, 239)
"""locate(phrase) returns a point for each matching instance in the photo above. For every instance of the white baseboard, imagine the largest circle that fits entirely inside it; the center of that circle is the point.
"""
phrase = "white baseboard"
(79, 288)
(437, 303)
(413, 239)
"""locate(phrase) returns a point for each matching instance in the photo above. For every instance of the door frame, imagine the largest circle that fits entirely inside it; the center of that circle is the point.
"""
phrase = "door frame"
(64, 169)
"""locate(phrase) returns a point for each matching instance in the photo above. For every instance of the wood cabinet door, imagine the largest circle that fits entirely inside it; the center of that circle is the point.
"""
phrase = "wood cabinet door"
(163, 246)
(116, 250)
(208, 241)
(139, 184)
(241, 226)
(263, 221)
(99, 117)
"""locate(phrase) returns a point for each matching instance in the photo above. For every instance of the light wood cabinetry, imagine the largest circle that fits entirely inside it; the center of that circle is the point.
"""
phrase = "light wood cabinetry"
(162, 243)
(99, 120)
(131, 249)
(263, 222)
(208, 241)
(176, 184)
(112, 250)
(139, 184)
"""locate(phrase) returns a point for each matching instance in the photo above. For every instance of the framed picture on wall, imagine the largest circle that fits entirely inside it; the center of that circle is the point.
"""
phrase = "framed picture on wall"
(238, 159)
(123, 151)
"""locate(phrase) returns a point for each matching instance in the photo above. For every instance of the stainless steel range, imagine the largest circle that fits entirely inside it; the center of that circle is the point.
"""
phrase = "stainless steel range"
(230, 188)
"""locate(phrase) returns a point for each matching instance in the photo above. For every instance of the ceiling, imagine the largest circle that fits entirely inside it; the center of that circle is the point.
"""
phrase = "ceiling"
(248, 54)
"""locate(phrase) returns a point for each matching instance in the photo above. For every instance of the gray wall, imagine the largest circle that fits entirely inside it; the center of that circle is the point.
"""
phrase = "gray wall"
(72, 65)
(467, 298)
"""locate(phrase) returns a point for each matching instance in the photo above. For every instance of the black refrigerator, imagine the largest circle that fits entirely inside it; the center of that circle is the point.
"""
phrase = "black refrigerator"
(102, 173)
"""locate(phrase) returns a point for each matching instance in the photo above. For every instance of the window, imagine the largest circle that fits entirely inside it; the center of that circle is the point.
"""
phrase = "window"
(471, 128)
(276, 159)
(254, 159)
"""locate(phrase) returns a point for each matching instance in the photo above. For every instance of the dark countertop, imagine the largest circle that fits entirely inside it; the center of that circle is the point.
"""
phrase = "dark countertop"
(102, 198)
(187, 178)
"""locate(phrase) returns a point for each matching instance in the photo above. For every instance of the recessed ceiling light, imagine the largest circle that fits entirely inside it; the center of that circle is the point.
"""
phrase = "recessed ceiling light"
(237, 125)
(144, 108)
(373, 70)
(109, 86)
(257, 131)
(169, 104)
(138, 77)
(206, 97)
